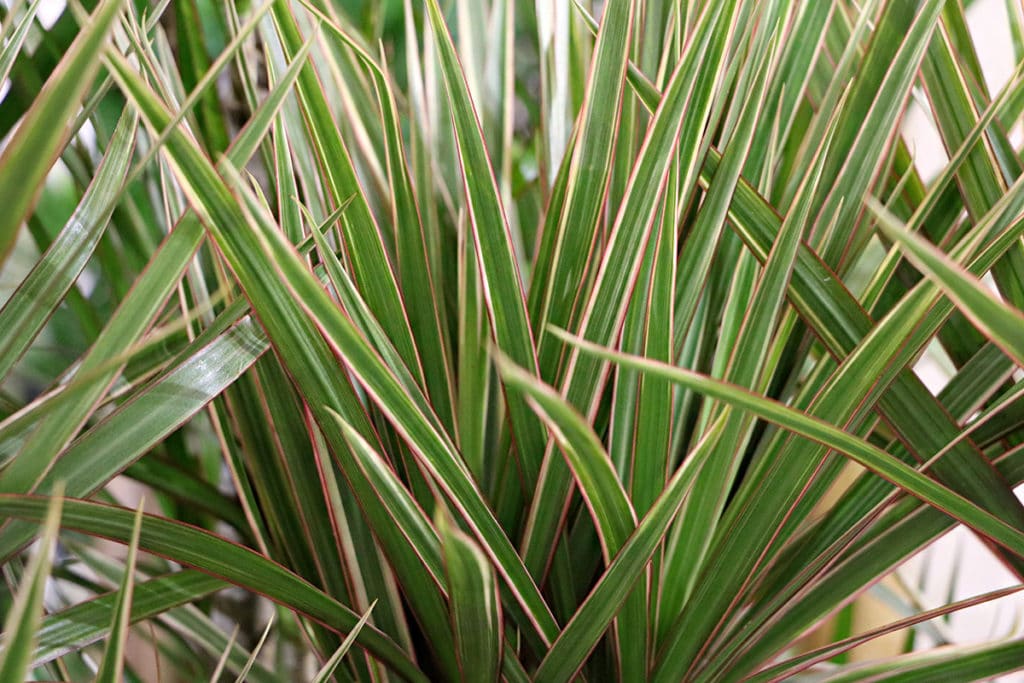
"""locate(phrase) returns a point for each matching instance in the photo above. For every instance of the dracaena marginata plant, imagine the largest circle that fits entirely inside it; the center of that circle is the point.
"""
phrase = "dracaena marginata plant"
(479, 340)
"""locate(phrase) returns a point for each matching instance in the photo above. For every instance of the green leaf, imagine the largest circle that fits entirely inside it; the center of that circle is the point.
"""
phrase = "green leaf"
(28, 156)
(431, 446)
(609, 506)
(327, 670)
(681, 119)
(133, 316)
(1000, 323)
(244, 673)
(252, 253)
(371, 268)
(204, 371)
(422, 536)
(499, 272)
(804, 661)
(698, 519)
(420, 286)
(427, 590)
(163, 598)
(474, 604)
(32, 304)
(872, 103)
(220, 558)
(330, 380)
(112, 666)
(582, 632)
(21, 626)
(982, 662)
(89, 621)
(871, 457)
(562, 257)
(14, 35)
(838, 321)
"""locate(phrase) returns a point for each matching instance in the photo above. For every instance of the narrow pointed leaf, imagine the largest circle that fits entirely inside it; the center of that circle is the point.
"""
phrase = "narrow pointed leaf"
(217, 557)
(502, 284)
(327, 670)
(883, 464)
(1001, 323)
(28, 309)
(42, 134)
(112, 666)
(21, 625)
(474, 605)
